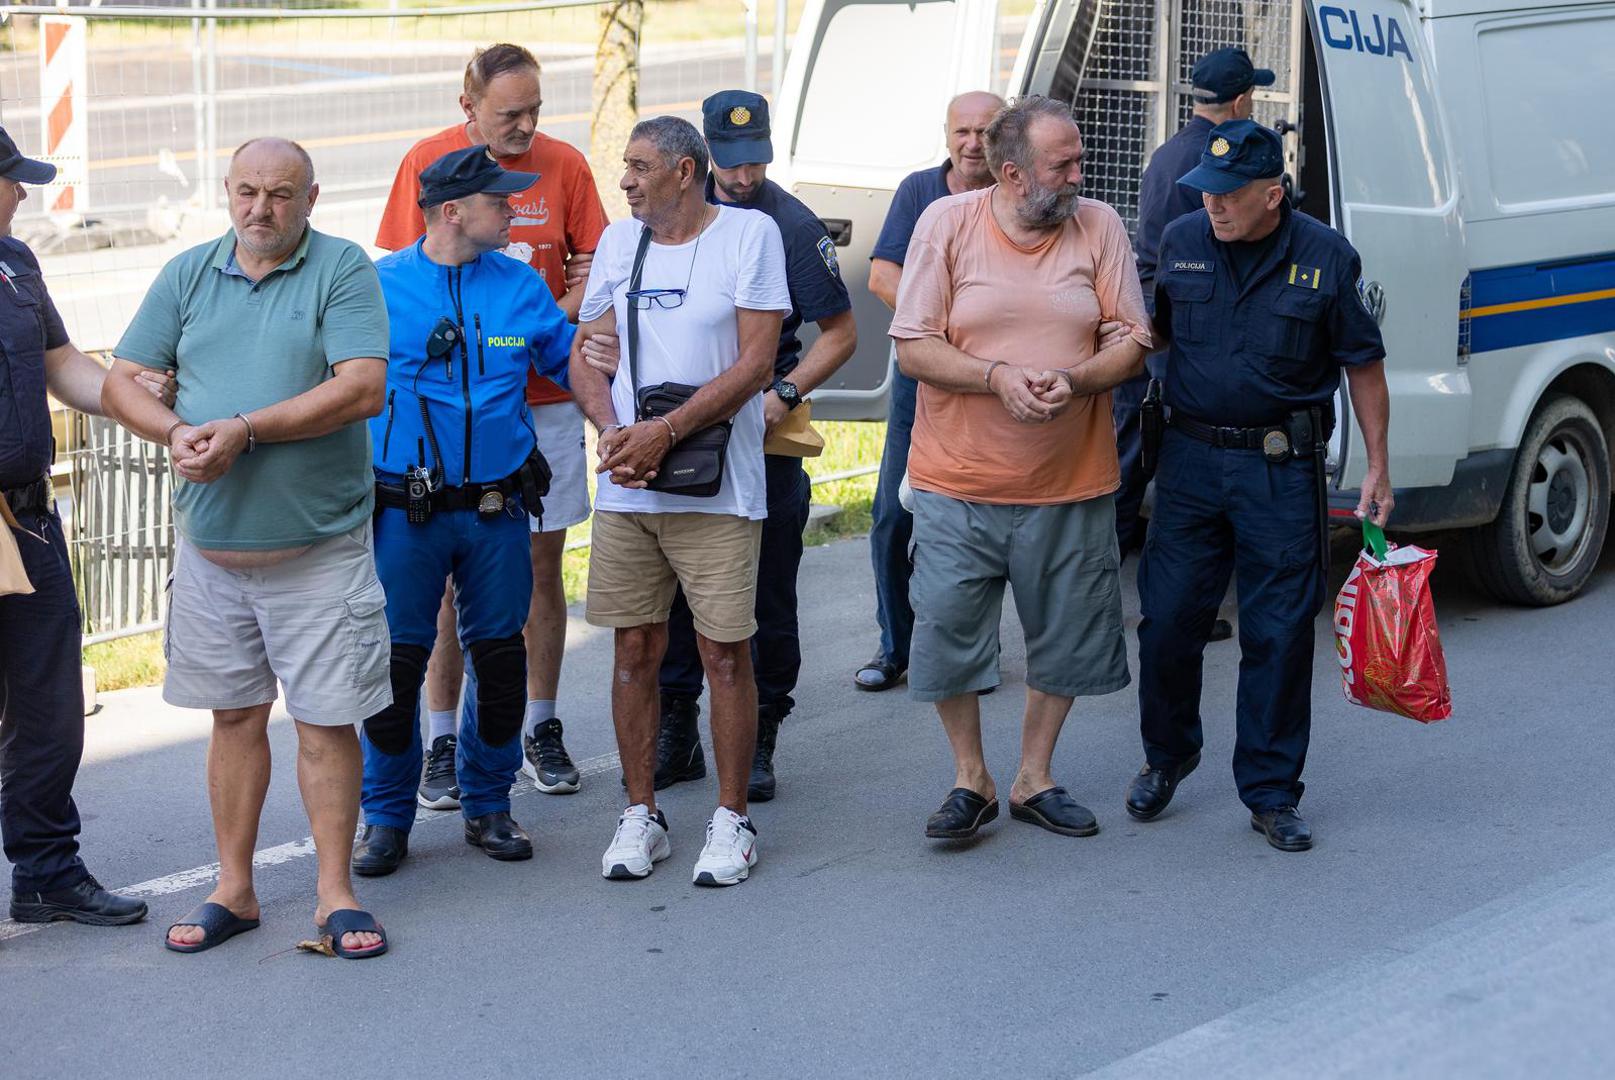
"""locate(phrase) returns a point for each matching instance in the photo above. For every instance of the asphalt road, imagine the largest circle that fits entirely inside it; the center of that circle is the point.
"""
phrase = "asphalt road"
(1457, 916)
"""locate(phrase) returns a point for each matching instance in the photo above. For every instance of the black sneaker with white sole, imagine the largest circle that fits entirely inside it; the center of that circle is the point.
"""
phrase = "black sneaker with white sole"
(544, 758)
(440, 788)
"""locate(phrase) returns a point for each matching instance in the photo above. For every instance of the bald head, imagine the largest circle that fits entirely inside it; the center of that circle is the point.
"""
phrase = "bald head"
(271, 191)
(968, 117)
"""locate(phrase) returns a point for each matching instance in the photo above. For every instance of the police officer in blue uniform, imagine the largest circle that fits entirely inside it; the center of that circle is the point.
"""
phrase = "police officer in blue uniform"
(1263, 308)
(41, 695)
(458, 470)
(736, 126)
(1223, 87)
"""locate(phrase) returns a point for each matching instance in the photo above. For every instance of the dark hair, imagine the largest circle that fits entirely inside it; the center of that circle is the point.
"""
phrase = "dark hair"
(488, 64)
(1007, 138)
(674, 139)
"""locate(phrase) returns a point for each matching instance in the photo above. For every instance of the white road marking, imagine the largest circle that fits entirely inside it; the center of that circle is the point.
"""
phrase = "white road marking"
(285, 853)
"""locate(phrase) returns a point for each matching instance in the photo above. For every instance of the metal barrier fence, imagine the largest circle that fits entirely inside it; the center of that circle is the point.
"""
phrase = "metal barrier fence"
(141, 107)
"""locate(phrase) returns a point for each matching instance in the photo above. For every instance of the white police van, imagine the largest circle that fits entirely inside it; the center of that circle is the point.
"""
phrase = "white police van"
(1465, 147)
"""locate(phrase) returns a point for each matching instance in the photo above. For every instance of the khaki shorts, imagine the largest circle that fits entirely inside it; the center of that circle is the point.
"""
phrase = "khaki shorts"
(316, 623)
(637, 561)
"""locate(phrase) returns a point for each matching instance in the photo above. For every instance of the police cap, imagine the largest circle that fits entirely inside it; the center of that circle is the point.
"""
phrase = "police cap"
(1237, 152)
(1224, 74)
(13, 166)
(735, 123)
(471, 171)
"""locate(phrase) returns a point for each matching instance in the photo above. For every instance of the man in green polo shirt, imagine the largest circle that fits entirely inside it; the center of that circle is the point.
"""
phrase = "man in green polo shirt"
(278, 337)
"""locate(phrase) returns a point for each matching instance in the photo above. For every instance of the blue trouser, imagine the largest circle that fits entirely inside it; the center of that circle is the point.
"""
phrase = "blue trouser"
(776, 650)
(41, 714)
(893, 528)
(1221, 511)
(493, 584)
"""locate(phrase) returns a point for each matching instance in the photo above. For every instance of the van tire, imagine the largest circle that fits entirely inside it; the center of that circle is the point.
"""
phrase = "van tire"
(1562, 465)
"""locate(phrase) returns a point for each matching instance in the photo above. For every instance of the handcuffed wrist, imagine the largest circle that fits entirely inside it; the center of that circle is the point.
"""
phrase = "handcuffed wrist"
(987, 376)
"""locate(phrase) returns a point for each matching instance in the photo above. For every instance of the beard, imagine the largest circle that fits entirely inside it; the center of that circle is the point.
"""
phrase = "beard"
(1044, 208)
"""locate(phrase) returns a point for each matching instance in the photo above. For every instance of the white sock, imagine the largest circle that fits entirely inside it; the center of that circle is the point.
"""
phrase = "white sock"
(439, 724)
(537, 713)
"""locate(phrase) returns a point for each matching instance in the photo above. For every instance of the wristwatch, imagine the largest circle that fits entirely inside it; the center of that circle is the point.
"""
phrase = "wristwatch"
(788, 393)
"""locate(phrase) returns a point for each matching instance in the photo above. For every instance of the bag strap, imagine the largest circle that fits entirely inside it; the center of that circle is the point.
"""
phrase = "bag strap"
(1374, 540)
(633, 315)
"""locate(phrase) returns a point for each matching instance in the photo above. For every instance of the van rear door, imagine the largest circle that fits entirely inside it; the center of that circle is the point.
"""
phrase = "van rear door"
(861, 106)
(1397, 199)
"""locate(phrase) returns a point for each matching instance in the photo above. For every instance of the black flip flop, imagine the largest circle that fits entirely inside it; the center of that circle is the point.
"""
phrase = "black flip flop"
(962, 813)
(353, 921)
(887, 675)
(219, 924)
(1057, 812)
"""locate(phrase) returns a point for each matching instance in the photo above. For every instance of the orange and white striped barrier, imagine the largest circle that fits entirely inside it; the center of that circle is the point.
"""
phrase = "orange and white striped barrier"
(64, 114)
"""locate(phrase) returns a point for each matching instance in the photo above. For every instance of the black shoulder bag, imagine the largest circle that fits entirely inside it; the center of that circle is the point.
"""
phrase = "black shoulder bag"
(693, 465)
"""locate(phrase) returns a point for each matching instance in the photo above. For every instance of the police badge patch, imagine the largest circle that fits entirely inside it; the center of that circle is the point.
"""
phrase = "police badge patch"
(827, 252)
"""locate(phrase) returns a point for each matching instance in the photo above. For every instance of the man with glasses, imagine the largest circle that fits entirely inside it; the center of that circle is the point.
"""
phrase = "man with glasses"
(458, 472)
(703, 288)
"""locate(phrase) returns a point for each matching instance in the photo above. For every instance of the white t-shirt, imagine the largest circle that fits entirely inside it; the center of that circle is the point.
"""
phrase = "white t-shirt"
(738, 262)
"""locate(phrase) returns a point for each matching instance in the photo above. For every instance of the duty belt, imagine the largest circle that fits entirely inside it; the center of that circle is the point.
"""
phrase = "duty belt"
(34, 498)
(1272, 439)
(487, 498)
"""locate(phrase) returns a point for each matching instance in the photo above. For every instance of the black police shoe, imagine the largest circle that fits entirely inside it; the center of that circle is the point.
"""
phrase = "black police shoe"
(761, 786)
(678, 743)
(380, 850)
(1284, 827)
(85, 902)
(499, 836)
(1153, 788)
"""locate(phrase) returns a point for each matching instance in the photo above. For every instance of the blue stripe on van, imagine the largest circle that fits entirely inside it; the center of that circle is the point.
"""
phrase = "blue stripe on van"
(1548, 302)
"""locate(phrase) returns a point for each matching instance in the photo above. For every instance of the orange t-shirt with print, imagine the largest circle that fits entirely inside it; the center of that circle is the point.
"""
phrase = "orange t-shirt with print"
(559, 216)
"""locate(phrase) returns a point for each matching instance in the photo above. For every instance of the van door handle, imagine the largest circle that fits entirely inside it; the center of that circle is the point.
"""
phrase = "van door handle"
(840, 230)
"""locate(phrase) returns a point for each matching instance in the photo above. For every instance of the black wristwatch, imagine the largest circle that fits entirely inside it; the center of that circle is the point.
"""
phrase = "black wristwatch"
(788, 393)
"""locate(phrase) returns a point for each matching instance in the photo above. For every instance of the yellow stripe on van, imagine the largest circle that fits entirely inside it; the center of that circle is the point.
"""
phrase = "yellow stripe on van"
(1544, 302)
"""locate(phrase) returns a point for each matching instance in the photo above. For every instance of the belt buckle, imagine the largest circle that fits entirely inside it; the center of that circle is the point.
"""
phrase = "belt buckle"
(492, 502)
(1230, 436)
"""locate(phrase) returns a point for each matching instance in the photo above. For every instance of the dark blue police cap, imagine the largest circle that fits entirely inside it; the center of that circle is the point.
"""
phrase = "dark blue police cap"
(13, 166)
(1238, 152)
(1224, 74)
(735, 123)
(471, 171)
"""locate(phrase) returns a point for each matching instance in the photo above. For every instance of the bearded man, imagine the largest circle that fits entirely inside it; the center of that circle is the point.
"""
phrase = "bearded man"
(1013, 461)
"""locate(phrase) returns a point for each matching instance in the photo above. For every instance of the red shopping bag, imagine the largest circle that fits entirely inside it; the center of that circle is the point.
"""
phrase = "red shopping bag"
(1385, 632)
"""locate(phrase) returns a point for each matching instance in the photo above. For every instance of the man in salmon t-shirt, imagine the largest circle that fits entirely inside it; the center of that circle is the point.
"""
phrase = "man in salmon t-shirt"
(1013, 460)
(558, 223)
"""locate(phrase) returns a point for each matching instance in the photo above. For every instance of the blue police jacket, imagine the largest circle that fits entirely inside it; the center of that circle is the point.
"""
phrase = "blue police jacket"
(1162, 200)
(1246, 353)
(29, 327)
(475, 394)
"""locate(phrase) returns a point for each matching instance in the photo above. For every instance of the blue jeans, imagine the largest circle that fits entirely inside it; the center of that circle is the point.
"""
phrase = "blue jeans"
(493, 583)
(893, 528)
(1219, 512)
(776, 650)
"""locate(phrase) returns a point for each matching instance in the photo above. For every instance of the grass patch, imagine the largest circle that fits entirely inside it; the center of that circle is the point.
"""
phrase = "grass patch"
(125, 662)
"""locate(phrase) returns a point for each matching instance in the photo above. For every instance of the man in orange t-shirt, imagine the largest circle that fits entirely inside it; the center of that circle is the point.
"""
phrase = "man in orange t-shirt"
(1013, 459)
(558, 223)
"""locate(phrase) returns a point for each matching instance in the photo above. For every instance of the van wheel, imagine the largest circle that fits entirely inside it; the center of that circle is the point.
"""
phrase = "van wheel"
(1550, 531)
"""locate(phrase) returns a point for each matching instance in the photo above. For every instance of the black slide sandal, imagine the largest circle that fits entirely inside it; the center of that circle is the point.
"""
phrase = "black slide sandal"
(219, 924)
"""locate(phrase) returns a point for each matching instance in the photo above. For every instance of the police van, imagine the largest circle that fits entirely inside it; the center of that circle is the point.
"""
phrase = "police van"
(1464, 146)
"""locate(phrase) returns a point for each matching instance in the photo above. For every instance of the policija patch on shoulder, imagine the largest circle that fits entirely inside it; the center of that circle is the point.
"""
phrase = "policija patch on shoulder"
(1192, 266)
(1308, 277)
(827, 252)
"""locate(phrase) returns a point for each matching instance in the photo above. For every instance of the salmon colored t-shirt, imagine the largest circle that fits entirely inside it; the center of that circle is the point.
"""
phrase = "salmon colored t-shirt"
(966, 281)
(559, 216)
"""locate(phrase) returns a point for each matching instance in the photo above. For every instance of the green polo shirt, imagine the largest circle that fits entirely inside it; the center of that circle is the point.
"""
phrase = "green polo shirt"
(237, 345)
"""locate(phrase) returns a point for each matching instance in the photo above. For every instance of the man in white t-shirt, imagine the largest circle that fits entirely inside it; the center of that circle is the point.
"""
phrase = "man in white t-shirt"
(710, 299)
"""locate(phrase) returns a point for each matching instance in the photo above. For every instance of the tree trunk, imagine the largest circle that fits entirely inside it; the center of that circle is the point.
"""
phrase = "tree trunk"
(616, 97)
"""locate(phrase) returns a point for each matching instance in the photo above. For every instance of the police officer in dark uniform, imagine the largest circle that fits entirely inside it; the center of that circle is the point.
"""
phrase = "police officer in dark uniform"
(1223, 88)
(41, 695)
(736, 127)
(1263, 308)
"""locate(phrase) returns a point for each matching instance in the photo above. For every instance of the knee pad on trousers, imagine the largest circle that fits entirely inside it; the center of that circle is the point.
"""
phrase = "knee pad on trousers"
(501, 667)
(389, 730)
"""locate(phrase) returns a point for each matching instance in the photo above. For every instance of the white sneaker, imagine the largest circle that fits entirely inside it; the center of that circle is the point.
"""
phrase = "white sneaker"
(730, 851)
(641, 842)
